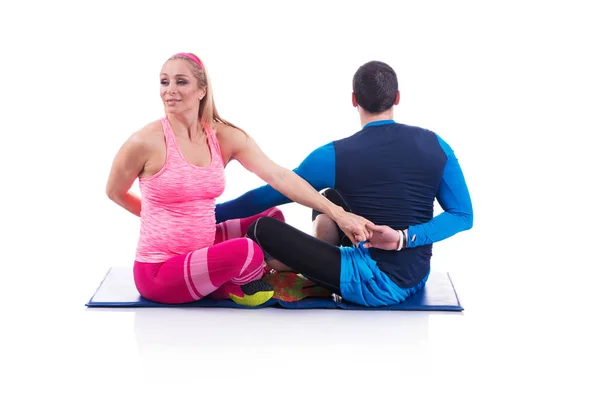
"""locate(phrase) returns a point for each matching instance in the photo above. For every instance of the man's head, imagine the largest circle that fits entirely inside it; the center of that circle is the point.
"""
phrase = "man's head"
(375, 87)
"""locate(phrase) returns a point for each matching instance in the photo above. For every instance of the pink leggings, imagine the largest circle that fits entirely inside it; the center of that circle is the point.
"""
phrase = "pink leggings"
(217, 270)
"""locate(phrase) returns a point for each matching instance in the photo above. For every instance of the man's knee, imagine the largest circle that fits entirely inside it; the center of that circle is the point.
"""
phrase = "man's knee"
(330, 194)
(251, 233)
(333, 196)
(257, 228)
(325, 229)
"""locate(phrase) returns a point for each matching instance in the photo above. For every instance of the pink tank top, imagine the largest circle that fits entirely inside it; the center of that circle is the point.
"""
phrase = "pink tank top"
(178, 203)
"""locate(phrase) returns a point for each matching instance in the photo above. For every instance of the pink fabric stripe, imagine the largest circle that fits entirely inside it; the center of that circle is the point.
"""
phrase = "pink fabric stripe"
(257, 274)
(254, 275)
(250, 255)
(234, 229)
(186, 276)
(199, 273)
(225, 235)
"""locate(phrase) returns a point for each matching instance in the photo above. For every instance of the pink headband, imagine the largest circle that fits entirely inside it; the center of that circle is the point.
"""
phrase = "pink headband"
(192, 57)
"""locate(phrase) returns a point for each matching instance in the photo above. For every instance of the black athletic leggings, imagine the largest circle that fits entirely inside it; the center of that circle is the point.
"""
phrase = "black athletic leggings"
(315, 259)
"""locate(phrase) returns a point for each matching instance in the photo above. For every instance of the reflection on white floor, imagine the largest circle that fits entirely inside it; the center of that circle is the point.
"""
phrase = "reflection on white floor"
(232, 329)
(315, 347)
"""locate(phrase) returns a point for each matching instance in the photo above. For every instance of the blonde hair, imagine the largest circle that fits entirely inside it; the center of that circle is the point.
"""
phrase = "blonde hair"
(207, 114)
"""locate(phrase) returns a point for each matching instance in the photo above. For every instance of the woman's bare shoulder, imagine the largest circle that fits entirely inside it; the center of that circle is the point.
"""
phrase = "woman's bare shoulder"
(146, 138)
(230, 135)
(151, 132)
(227, 131)
(231, 140)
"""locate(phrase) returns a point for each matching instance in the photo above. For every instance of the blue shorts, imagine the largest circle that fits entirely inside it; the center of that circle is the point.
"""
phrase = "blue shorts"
(362, 282)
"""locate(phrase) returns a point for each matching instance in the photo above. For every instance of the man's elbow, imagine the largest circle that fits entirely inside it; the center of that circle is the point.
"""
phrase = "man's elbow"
(467, 220)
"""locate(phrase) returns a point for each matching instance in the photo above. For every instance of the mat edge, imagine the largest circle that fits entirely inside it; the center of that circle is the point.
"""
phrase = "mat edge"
(88, 304)
(461, 308)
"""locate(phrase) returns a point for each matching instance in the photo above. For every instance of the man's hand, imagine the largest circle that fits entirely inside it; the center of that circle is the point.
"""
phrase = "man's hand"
(383, 237)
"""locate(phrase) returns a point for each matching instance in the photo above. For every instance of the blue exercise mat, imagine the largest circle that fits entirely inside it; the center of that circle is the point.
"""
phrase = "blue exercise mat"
(118, 290)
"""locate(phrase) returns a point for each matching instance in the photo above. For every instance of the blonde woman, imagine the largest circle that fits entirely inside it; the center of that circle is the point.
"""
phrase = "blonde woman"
(182, 254)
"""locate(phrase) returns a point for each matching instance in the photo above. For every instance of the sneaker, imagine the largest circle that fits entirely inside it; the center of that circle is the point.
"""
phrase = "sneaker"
(255, 293)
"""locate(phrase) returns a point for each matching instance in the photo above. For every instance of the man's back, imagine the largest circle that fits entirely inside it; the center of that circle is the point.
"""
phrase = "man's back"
(390, 174)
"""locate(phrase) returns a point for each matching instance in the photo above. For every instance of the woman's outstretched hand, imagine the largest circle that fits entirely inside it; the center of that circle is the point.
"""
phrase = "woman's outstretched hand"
(356, 228)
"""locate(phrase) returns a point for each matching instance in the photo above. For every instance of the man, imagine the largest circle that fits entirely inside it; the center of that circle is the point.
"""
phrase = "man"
(388, 173)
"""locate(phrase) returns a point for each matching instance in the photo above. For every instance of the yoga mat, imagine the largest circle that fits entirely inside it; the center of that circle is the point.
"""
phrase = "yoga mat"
(117, 289)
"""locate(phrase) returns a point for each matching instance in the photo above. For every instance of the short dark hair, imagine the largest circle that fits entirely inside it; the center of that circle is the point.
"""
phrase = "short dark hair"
(375, 86)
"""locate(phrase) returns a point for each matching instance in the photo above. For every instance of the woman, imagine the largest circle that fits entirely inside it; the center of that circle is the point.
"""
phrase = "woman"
(182, 255)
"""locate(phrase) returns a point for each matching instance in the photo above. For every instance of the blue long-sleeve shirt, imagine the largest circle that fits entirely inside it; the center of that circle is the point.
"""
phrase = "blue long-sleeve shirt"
(391, 174)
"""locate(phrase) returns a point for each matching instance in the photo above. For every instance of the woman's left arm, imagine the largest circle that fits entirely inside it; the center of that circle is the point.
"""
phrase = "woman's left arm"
(244, 149)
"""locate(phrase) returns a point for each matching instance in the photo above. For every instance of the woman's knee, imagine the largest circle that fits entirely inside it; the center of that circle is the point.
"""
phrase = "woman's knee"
(241, 249)
(255, 253)
(275, 213)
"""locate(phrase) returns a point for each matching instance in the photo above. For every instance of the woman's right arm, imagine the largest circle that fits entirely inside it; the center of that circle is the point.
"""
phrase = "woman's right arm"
(127, 166)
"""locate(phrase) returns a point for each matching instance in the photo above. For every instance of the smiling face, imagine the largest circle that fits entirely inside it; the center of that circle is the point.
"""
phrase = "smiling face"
(179, 87)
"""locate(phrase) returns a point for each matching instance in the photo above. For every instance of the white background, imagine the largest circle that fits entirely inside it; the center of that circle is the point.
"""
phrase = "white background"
(512, 87)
